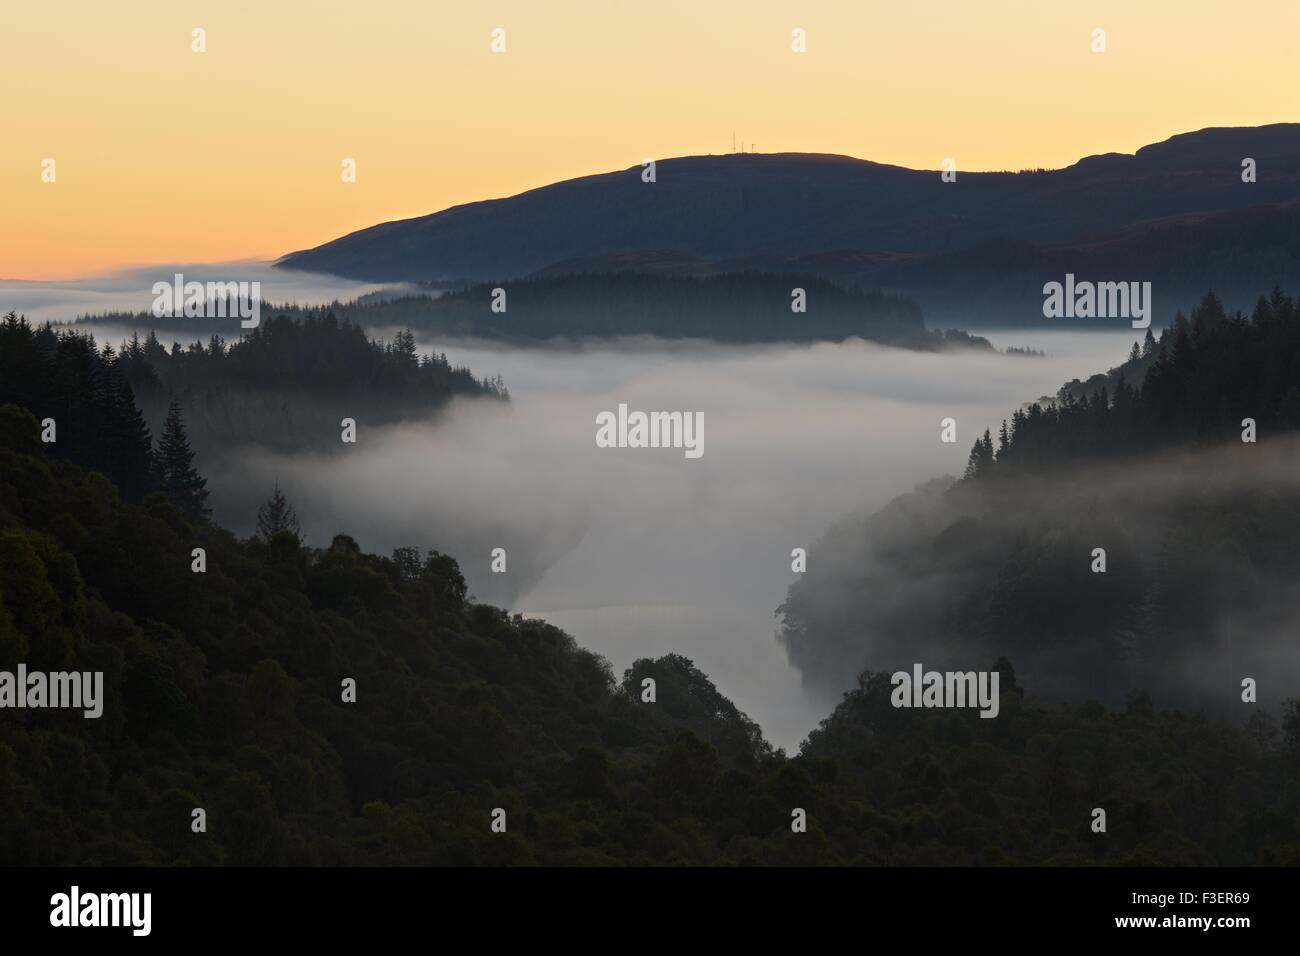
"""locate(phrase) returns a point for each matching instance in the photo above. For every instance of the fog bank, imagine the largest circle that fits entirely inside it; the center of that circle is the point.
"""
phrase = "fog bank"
(638, 552)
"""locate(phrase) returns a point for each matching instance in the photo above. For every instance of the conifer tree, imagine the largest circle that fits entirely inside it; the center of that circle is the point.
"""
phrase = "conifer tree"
(981, 457)
(277, 515)
(178, 478)
(129, 434)
(1149, 345)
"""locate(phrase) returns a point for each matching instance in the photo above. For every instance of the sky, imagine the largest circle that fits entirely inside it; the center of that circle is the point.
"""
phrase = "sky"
(165, 154)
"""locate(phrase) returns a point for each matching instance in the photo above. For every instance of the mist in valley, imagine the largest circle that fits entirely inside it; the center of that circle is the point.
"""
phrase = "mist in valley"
(641, 552)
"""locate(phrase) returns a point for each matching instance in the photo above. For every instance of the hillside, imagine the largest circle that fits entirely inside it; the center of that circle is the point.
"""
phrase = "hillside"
(734, 307)
(737, 307)
(995, 237)
(1198, 529)
(275, 385)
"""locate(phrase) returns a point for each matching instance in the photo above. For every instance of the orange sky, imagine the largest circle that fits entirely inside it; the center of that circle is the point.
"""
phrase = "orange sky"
(167, 155)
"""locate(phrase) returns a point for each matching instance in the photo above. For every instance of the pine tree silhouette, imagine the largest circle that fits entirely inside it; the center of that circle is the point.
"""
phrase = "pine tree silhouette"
(981, 457)
(127, 433)
(178, 478)
(277, 515)
(1149, 345)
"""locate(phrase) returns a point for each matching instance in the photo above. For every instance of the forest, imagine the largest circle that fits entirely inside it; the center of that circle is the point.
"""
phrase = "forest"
(1195, 383)
(1195, 529)
(226, 689)
(731, 307)
(272, 385)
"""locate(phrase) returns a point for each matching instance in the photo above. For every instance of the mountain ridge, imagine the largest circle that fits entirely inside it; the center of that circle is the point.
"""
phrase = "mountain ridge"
(769, 207)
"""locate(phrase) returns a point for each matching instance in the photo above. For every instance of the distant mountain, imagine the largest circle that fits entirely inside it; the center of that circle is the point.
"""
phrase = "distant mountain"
(1175, 213)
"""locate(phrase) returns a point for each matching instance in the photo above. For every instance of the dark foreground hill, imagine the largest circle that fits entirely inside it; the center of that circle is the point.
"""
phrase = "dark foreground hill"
(223, 692)
(1176, 213)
